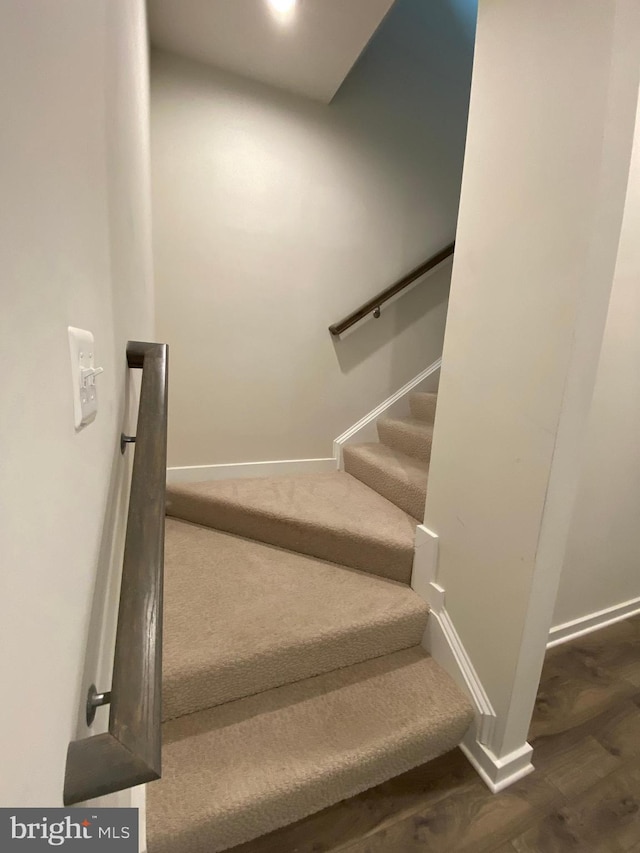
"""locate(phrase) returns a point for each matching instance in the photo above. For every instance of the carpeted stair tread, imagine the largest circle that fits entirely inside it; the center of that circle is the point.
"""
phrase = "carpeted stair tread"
(242, 769)
(332, 516)
(400, 478)
(408, 435)
(241, 617)
(423, 405)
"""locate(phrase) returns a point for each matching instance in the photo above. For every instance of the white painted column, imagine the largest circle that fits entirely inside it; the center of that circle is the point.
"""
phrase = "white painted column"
(553, 104)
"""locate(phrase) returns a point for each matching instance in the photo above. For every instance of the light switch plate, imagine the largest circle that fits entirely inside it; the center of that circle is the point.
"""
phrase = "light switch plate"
(85, 394)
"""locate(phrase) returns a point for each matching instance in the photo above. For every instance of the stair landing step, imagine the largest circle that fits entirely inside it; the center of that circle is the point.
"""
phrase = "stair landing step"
(423, 405)
(243, 769)
(400, 478)
(241, 617)
(408, 435)
(332, 516)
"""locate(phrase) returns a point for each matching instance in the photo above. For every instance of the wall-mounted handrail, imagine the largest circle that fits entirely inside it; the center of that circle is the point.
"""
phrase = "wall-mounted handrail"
(373, 305)
(129, 753)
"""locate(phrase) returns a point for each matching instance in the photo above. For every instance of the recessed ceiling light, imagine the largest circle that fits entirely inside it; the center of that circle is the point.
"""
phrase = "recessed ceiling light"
(283, 9)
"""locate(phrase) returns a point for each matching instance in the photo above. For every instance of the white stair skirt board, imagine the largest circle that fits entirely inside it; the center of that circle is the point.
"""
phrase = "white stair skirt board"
(592, 622)
(497, 773)
(365, 429)
(441, 639)
(443, 643)
(246, 470)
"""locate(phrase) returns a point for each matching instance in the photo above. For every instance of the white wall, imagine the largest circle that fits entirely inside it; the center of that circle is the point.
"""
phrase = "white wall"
(602, 562)
(275, 216)
(550, 130)
(75, 248)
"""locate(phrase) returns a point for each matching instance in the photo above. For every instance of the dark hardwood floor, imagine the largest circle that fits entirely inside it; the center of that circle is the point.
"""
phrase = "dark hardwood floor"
(584, 795)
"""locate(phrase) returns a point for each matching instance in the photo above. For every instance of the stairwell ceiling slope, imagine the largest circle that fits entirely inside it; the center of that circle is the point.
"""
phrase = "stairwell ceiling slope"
(309, 51)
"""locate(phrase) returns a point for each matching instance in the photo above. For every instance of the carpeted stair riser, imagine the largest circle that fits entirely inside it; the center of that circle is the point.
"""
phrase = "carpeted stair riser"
(408, 435)
(423, 406)
(242, 617)
(242, 769)
(331, 516)
(400, 478)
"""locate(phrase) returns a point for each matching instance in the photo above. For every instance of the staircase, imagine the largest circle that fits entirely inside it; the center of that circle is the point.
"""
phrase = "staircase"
(293, 671)
(397, 466)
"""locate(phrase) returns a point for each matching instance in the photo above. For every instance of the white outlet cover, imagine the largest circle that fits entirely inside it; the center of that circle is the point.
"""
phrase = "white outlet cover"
(85, 400)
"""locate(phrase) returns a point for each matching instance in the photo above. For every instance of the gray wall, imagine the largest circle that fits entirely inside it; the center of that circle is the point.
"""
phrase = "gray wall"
(76, 250)
(275, 216)
(602, 561)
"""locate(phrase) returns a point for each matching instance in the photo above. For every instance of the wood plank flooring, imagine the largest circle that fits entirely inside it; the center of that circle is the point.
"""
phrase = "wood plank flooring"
(583, 797)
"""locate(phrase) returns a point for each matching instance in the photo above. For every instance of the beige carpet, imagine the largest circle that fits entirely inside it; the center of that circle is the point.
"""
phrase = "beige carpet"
(241, 617)
(423, 406)
(245, 768)
(292, 672)
(400, 478)
(411, 436)
(332, 516)
(397, 467)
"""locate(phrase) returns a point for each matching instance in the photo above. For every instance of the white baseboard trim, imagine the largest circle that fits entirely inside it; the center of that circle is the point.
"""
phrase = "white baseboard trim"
(497, 773)
(592, 622)
(365, 428)
(442, 642)
(201, 473)
(441, 639)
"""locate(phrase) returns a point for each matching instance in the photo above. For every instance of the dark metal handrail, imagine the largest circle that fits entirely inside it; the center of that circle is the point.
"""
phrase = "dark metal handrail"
(373, 305)
(129, 753)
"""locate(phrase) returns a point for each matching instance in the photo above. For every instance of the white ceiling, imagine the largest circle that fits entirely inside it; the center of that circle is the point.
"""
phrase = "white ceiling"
(311, 53)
